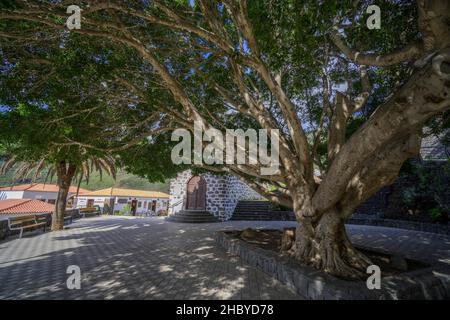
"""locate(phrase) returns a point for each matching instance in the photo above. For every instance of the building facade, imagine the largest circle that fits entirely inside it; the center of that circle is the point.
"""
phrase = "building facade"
(216, 194)
(117, 200)
(38, 191)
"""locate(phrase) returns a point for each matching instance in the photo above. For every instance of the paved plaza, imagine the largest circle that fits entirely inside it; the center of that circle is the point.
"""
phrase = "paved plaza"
(150, 258)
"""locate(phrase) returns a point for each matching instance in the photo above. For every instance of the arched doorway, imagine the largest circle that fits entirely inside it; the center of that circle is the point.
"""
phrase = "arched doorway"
(196, 194)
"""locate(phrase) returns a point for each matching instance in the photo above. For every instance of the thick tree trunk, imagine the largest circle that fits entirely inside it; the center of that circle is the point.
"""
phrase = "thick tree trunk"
(65, 176)
(324, 244)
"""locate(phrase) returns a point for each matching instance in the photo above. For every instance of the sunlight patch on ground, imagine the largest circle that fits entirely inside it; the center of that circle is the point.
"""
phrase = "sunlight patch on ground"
(165, 268)
(202, 248)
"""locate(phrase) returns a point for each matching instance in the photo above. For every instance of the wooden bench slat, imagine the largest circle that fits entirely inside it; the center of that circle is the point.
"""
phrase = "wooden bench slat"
(22, 223)
(33, 225)
(21, 219)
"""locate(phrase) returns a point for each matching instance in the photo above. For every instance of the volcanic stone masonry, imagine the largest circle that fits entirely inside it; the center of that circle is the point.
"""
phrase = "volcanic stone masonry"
(222, 193)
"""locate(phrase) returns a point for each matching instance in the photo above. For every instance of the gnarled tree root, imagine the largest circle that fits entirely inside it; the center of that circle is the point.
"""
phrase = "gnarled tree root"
(327, 250)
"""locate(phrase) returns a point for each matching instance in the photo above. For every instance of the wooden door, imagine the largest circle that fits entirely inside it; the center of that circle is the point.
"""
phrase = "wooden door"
(90, 203)
(196, 194)
(112, 203)
(133, 207)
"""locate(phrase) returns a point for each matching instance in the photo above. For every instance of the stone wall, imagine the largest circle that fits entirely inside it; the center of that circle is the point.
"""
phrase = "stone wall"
(177, 191)
(3, 229)
(216, 195)
(401, 224)
(222, 193)
(236, 190)
(308, 282)
(376, 205)
(412, 195)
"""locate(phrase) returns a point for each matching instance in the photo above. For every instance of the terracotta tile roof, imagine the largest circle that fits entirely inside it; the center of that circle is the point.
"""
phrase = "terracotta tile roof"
(118, 192)
(40, 187)
(24, 206)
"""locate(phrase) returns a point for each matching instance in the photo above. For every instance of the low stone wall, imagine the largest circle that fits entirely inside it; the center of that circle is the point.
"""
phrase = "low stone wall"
(3, 229)
(282, 215)
(402, 224)
(314, 284)
(374, 221)
(75, 213)
(412, 195)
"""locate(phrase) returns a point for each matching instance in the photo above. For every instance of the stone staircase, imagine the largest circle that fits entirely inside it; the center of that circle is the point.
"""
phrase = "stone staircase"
(253, 210)
(192, 216)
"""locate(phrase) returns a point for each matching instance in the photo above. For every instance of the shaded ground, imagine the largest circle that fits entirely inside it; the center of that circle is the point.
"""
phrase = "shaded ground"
(130, 258)
(149, 258)
(272, 240)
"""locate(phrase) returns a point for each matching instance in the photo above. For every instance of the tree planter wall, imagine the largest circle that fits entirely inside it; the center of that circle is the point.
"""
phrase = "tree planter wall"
(314, 284)
(402, 224)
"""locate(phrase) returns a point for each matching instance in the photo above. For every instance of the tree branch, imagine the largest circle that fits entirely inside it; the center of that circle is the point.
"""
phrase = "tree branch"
(410, 52)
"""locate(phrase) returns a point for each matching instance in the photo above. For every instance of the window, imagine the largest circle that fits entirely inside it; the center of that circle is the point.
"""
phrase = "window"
(90, 203)
(51, 201)
(139, 204)
(122, 200)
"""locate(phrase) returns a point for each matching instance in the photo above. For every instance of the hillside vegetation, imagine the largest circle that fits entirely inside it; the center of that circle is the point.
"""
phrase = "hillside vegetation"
(124, 180)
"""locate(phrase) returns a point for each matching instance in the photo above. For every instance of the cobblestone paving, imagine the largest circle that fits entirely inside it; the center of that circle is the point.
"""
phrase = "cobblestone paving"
(149, 258)
(131, 258)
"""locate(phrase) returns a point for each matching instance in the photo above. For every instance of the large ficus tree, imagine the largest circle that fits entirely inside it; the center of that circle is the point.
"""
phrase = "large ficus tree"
(349, 102)
(63, 114)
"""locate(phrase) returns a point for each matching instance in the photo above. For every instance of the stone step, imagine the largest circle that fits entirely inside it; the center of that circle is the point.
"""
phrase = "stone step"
(261, 204)
(251, 217)
(191, 220)
(253, 214)
(192, 213)
(259, 210)
(253, 205)
(192, 216)
(270, 215)
(250, 214)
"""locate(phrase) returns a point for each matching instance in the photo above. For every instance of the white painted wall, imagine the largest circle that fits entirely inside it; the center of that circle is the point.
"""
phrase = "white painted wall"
(40, 195)
(11, 195)
(222, 193)
(161, 204)
(35, 195)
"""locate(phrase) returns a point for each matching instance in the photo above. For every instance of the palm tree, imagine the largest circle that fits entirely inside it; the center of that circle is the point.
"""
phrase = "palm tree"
(66, 173)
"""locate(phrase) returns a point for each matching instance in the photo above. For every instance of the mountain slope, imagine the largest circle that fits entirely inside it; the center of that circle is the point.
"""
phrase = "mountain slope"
(124, 180)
